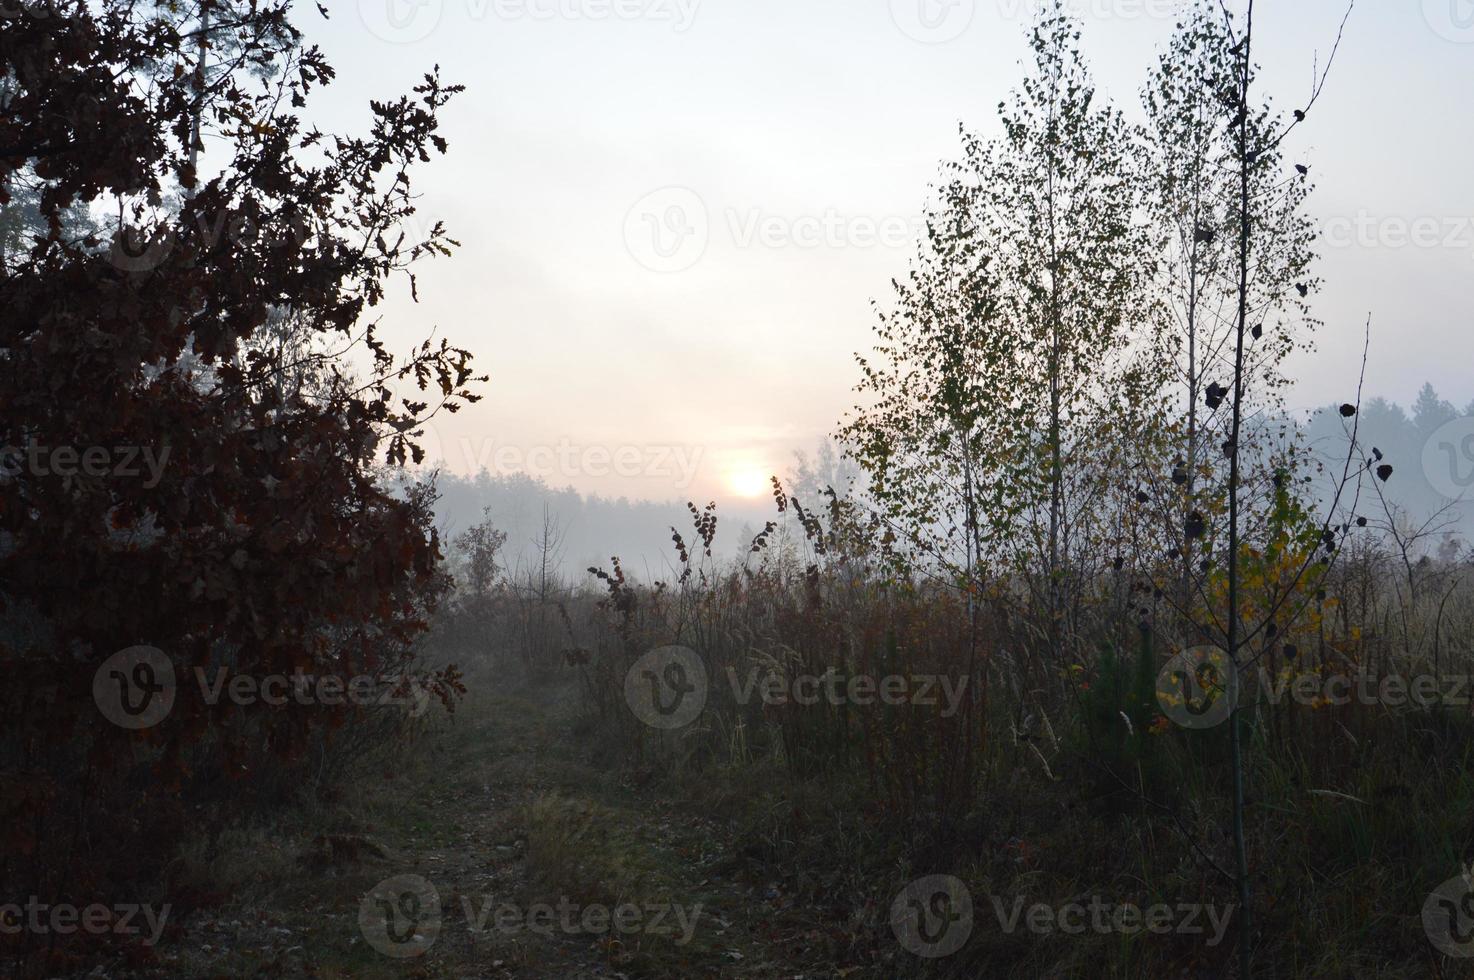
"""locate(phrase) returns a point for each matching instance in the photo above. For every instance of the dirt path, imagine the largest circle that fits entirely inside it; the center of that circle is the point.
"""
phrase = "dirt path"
(502, 852)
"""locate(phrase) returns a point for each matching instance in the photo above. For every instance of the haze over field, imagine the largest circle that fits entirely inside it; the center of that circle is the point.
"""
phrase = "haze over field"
(675, 215)
(673, 489)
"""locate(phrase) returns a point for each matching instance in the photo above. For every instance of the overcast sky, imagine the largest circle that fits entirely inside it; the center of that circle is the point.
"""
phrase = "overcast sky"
(675, 213)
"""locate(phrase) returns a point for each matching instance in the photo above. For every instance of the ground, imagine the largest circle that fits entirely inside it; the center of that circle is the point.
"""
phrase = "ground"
(503, 806)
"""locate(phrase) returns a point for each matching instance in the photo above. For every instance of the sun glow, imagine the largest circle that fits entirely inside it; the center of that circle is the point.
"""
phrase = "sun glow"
(749, 481)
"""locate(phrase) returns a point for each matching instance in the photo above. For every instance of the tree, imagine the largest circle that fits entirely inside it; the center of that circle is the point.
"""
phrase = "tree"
(1192, 194)
(934, 433)
(1006, 374)
(1056, 200)
(542, 587)
(480, 547)
(237, 40)
(266, 541)
(1255, 143)
(829, 467)
(1430, 411)
(20, 200)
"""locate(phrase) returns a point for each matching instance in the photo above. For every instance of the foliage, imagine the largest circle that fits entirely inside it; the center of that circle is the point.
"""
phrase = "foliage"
(266, 545)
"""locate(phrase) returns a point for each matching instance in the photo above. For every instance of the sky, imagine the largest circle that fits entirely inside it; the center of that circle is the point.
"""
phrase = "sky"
(675, 214)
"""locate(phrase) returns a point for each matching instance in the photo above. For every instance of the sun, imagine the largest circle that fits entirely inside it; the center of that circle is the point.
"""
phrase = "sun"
(748, 482)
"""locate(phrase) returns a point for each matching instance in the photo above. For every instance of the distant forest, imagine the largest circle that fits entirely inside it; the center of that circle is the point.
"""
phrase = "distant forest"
(591, 528)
